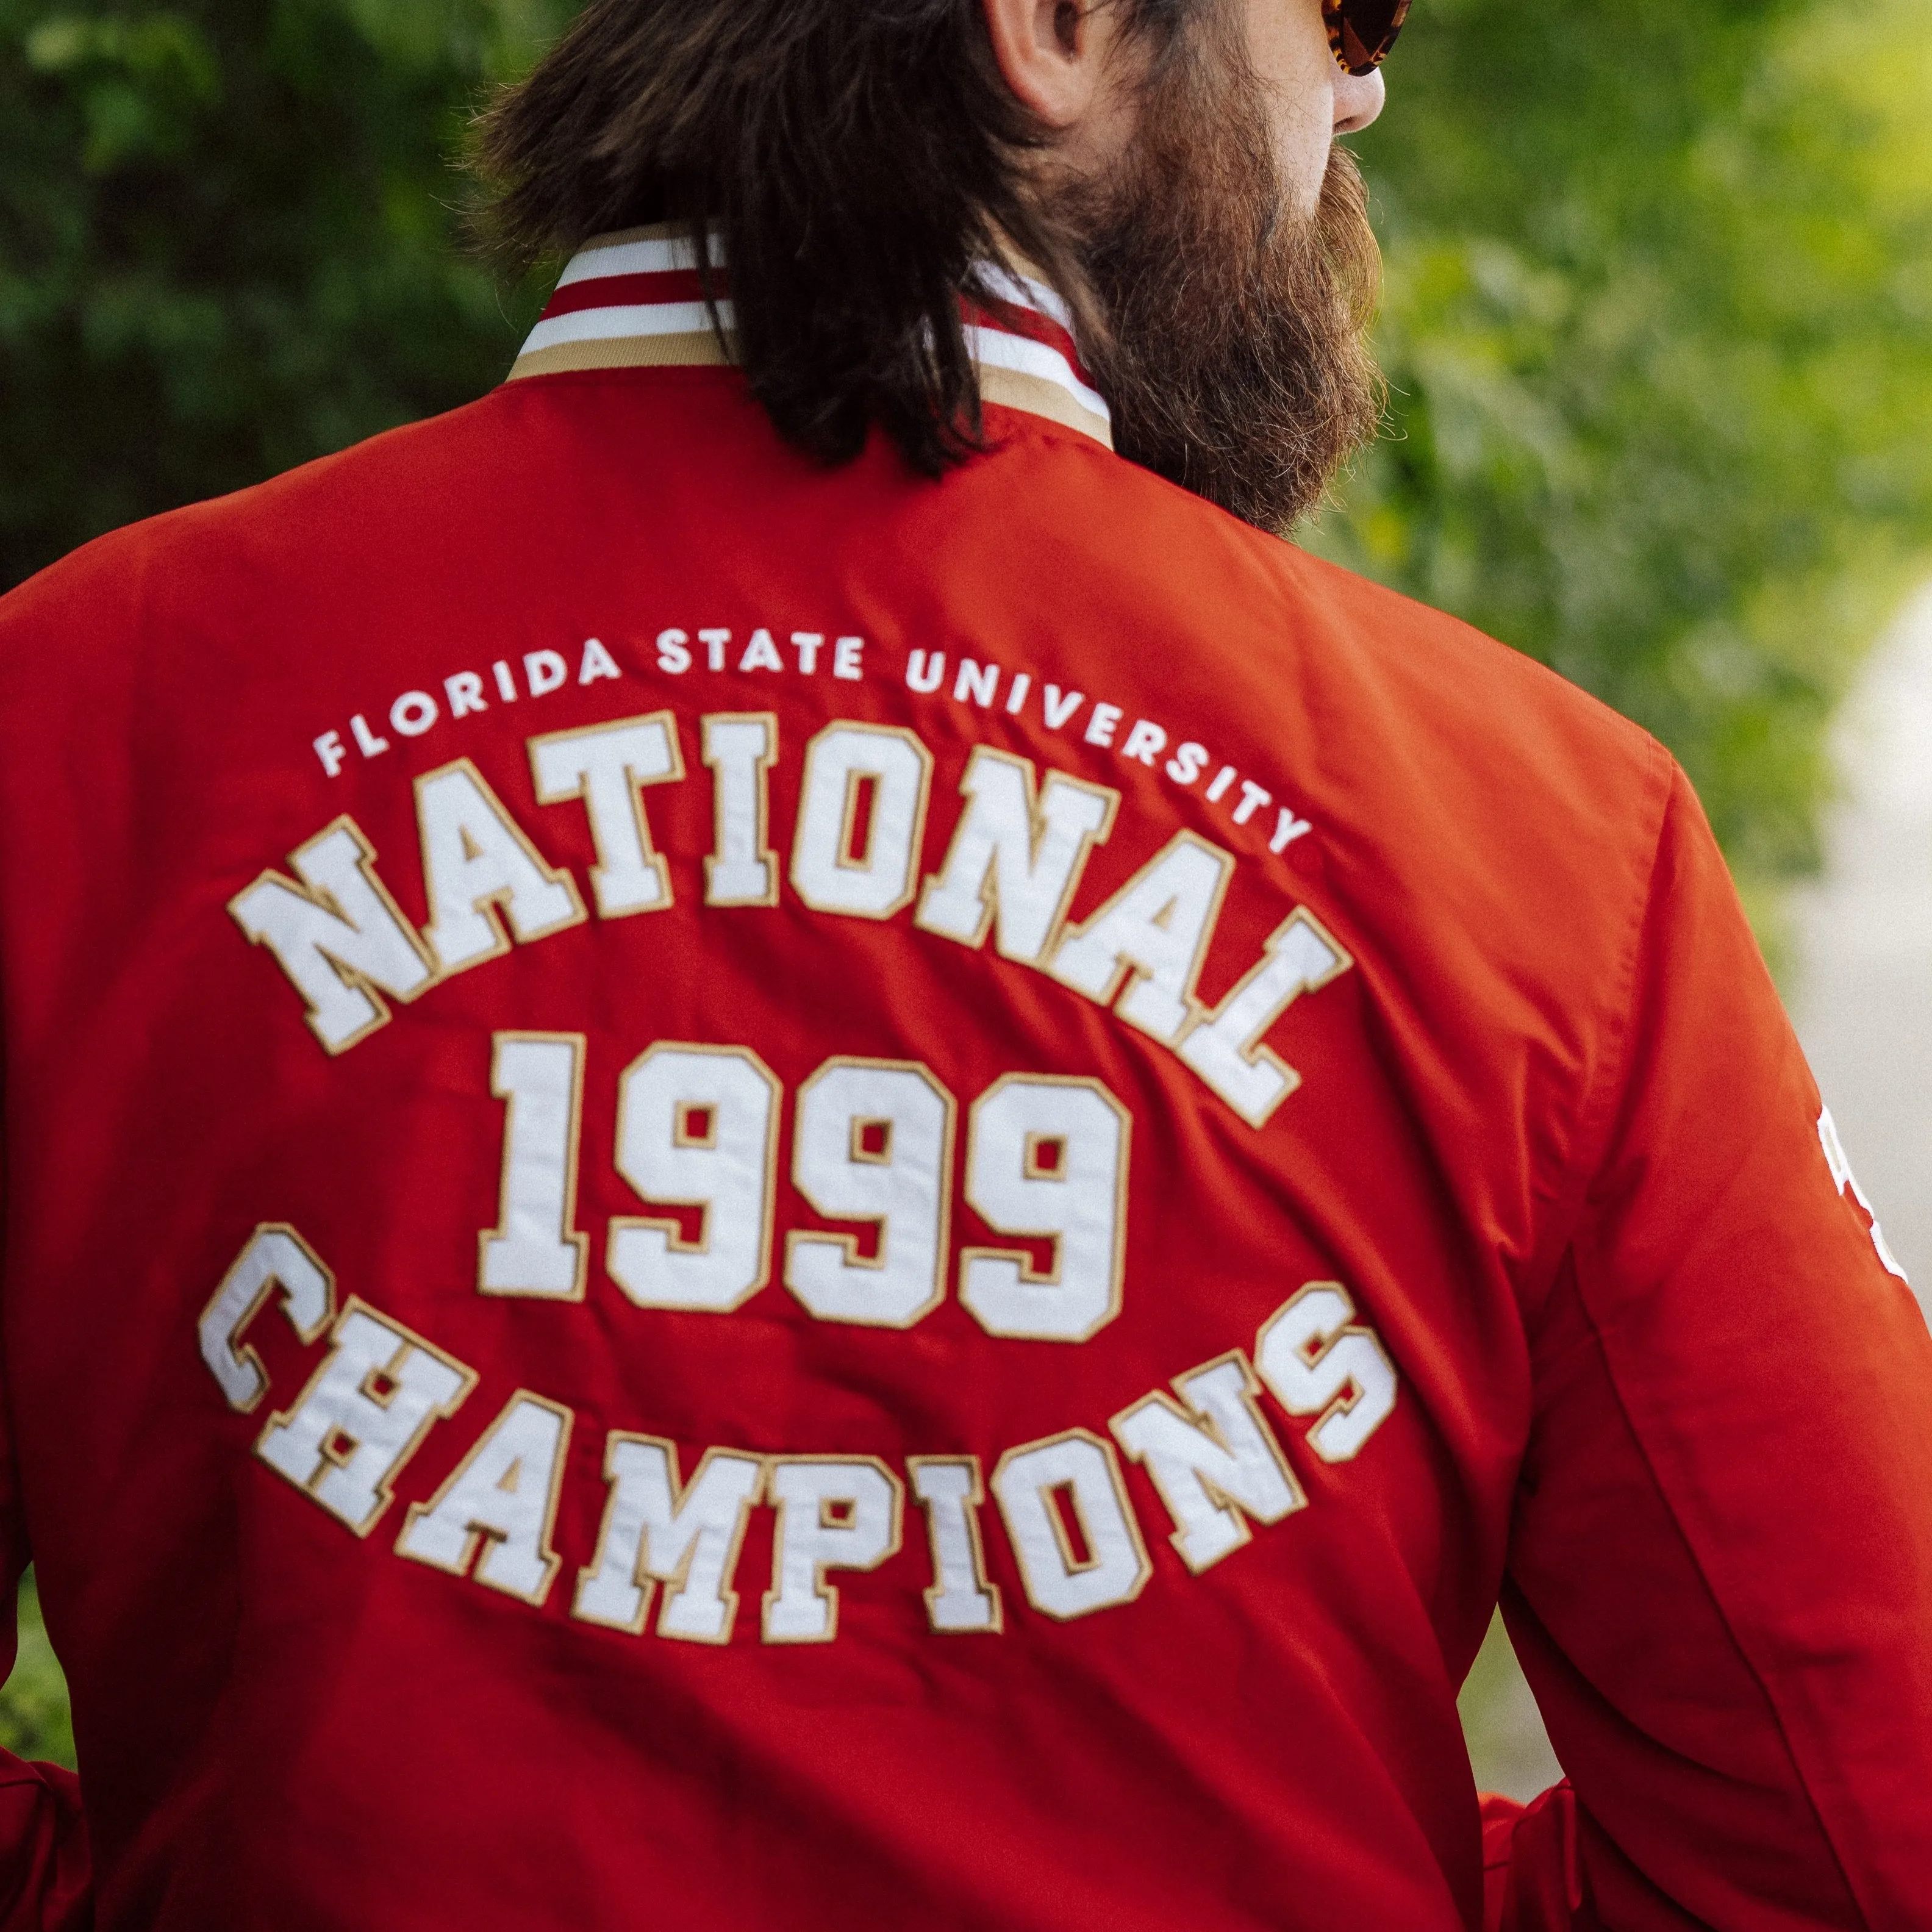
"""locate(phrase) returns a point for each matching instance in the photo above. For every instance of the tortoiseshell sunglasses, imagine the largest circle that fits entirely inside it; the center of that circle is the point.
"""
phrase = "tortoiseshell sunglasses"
(1362, 31)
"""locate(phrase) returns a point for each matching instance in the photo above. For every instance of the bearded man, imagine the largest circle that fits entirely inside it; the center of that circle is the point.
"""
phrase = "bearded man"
(790, 1146)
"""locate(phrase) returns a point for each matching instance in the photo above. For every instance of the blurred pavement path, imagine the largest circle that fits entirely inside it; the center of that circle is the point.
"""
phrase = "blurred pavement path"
(1861, 990)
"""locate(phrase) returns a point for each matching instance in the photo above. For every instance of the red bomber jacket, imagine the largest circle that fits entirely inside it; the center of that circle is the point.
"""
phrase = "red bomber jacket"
(759, 1197)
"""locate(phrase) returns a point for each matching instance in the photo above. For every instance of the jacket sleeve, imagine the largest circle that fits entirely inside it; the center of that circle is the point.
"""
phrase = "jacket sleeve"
(1720, 1576)
(47, 1886)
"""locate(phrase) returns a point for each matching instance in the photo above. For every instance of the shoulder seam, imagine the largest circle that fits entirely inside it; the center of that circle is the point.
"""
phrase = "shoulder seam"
(1596, 1109)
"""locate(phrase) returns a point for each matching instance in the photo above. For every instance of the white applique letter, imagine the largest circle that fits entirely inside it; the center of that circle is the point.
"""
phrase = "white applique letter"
(338, 936)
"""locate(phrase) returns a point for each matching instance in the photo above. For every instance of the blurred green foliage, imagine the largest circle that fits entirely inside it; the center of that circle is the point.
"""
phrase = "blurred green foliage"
(1659, 319)
(34, 1719)
(1659, 324)
(227, 244)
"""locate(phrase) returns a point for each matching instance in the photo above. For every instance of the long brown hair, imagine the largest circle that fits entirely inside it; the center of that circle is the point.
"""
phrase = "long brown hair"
(855, 160)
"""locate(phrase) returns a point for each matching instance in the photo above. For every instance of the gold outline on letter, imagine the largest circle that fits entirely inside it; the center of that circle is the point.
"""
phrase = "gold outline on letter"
(942, 1233)
(1198, 1419)
(1029, 1273)
(577, 1239)
(974, 1501)
(916, 843)
(1109, 1456)
(470, 1563)
(1341, 1405)
(669, 1225)
(491, 904)
(1254, 1051)
(643, 1580)
(324, 902)
(827, 1594)
(1036, 794)
(386, 1489)
(761, 790)
(1125, 976)
(246, 1356)
(634, 792)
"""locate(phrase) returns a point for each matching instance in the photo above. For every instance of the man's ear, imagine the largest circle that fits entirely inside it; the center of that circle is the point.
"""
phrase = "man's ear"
(1053, 54)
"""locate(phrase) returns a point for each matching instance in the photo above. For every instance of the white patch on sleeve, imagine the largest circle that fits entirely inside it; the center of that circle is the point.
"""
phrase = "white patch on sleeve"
(1845, 1181)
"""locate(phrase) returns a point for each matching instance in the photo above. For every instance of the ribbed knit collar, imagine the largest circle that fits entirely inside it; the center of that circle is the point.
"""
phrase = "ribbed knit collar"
(634, 300)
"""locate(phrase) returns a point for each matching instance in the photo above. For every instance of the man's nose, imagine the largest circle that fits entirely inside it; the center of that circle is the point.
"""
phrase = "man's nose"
(1359, 98)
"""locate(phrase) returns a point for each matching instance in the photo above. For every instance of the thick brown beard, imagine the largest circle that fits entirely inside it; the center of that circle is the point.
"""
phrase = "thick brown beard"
(1233, 350)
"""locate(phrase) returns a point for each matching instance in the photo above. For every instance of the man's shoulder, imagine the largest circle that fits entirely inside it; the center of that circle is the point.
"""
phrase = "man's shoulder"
(305, 517)
(1292, 633)
(425, 502)
(1048, 542)
(1466, 804)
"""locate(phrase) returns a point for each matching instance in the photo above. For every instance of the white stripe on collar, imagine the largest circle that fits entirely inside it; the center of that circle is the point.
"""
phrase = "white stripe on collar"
(671, 326)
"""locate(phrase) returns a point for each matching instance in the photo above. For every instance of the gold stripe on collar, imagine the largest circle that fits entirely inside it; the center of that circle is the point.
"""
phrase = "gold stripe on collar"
(653, 321)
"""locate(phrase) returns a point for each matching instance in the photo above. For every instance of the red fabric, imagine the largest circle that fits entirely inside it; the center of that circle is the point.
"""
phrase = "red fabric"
(1532, 1876)
(1552, 1135)
(662, 285)
(45, 1882)
(45, 1878)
